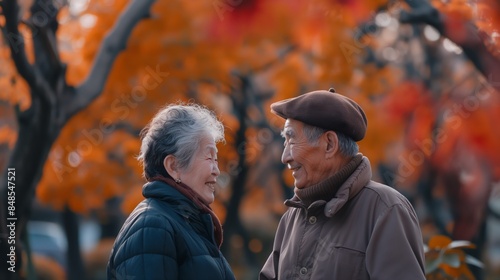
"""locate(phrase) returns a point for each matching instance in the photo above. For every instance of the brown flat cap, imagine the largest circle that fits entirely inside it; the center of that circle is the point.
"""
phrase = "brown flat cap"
(325, 109)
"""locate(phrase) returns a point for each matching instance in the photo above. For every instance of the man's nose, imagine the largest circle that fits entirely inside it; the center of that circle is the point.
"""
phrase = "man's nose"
(286, 157)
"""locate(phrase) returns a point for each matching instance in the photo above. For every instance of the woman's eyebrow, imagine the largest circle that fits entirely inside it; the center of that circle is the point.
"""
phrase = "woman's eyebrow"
(211, 149)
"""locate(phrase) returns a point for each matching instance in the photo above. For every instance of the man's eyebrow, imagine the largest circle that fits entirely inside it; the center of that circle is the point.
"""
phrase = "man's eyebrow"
(287, 132)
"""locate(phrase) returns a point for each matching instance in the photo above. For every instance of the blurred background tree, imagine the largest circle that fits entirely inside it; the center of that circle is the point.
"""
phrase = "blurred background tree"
(80, 78)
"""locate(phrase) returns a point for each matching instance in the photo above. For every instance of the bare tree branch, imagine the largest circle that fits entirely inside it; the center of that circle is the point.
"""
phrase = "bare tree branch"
(15, 39)
(44, 25)
(48, 67)
(113, 43)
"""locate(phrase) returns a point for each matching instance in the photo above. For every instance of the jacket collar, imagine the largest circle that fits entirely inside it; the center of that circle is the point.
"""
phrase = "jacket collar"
(203, 223)
(164, 192)
(350, 188)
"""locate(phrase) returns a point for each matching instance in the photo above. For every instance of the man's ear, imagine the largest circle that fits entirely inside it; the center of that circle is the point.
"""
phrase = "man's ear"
(332, 144)
(170, 164)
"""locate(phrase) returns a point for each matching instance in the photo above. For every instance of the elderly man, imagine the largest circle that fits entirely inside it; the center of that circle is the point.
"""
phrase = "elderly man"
(340, 224)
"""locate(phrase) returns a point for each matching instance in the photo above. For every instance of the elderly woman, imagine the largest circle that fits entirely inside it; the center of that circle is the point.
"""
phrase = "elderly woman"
(173, 233)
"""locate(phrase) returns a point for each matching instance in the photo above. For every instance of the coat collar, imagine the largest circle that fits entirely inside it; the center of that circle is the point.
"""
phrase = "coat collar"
(204, 223)
(350, 188)
(164, 192)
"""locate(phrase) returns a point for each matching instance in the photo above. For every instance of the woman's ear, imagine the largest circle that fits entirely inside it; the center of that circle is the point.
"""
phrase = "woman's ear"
(170, 164)
(332, 144)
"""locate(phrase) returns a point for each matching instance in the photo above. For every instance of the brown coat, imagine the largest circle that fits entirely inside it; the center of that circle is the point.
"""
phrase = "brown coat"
(367, 231)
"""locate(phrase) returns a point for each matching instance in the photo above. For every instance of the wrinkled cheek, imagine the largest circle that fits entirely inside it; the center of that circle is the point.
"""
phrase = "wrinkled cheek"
(297, 153)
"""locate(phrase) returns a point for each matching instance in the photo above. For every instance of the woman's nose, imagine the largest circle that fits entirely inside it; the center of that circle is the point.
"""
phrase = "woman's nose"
(215, 170)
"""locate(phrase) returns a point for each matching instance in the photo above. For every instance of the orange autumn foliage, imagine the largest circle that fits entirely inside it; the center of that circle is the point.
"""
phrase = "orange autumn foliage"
(186, 52)
(403, 99)
(191, 50)
(446, 256)
(8, 135)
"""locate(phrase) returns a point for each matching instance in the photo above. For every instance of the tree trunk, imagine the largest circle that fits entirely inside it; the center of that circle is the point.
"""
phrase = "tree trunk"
(53, 103)
(75, 269)
(35, 139)
(232, 224)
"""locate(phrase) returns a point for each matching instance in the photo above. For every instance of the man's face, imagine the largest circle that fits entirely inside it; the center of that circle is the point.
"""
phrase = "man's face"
(305, 159)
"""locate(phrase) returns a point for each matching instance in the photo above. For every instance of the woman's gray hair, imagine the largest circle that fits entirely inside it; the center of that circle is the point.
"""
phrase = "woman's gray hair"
(176, 130)
(347, 146)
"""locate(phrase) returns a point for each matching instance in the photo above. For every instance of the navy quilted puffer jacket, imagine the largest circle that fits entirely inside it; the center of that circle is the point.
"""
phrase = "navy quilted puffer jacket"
(167, 237)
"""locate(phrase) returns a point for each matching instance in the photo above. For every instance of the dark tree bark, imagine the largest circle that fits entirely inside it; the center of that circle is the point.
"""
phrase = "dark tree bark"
(53, 102)
(76, 269)
(232, 224)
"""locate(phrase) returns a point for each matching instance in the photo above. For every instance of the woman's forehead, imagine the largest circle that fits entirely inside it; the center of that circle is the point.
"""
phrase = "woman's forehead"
(207, 144)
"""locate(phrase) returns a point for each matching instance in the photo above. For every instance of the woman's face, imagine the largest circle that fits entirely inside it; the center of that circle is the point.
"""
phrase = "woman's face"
(201, 175)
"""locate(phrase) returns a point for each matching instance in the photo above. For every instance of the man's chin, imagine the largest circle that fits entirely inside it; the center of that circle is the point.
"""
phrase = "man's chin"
(298, 185)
